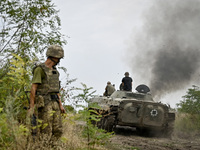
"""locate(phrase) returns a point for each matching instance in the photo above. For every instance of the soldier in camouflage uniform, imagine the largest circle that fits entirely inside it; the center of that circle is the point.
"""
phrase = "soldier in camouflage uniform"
(44, 94)
(109, 89)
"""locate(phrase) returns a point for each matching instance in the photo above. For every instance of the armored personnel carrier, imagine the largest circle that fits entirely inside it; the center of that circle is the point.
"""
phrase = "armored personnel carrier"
(134, 109)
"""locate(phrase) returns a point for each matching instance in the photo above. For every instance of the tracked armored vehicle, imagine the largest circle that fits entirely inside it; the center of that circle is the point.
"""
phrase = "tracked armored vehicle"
(134, 109)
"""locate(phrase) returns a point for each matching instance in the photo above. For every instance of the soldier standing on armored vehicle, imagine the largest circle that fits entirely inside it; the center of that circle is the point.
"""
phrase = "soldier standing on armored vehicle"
(109, 89)
(126, 84)
(45, 94)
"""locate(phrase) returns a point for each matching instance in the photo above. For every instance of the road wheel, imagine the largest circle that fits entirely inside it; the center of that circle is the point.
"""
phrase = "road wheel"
(108, 123)
(169, 129)
(143, 131)
(100, 123)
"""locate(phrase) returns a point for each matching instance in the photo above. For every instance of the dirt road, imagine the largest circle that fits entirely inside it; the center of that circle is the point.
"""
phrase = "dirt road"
(128, 139)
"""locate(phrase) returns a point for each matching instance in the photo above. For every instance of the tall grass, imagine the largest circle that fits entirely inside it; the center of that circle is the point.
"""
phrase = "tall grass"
(17, 136)
(187, 125)
(12, 133)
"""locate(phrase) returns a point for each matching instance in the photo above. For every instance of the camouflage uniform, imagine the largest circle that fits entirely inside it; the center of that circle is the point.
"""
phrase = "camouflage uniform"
(109, 89)
(46, 98)
(47, 102)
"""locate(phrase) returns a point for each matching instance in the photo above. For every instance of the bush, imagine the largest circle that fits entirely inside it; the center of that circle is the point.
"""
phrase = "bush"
(187, 125)
(188, 118)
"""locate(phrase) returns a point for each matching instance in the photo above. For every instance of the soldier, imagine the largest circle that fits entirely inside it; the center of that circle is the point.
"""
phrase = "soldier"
(109, 89)
(45, 94)
(126, 82)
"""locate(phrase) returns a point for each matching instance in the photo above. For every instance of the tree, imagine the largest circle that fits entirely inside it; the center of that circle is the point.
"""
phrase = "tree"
(191, 102)
(27, 28)
(188, 116)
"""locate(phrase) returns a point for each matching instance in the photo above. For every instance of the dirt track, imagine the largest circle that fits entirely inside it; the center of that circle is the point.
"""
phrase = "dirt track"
(128, 139)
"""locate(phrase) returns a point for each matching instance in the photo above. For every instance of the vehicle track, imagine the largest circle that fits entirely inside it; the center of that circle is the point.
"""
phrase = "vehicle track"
(128, 139)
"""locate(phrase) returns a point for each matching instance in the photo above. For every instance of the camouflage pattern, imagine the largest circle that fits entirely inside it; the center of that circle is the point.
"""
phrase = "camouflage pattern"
(134, 109)
(48, 108)
(47, 104)
(55, 51)
(110, 89)
(51, 119)
(51, 83)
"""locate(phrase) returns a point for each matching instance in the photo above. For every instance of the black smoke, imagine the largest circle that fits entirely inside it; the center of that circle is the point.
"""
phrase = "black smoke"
(168, 46)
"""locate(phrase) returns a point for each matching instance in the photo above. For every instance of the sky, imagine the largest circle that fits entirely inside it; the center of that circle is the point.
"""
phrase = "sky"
(106, 38)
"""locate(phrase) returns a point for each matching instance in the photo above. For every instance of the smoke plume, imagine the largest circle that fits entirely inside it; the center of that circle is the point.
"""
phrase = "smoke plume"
(167, 48)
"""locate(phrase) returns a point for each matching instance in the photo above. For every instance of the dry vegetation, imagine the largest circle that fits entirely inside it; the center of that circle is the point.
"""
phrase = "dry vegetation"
(72, 138)
(186, 136)
(187, 126)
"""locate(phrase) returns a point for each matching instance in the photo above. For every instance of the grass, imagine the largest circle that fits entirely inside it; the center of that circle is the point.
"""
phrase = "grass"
(187, 126)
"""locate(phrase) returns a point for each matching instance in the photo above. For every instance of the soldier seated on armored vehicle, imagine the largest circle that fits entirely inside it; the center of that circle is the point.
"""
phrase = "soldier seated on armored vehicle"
(109, 89)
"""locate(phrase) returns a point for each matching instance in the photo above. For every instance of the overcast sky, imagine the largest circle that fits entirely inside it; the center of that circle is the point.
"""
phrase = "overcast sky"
(99, 33)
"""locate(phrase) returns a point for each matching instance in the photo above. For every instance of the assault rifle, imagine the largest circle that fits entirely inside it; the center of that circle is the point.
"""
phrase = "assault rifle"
(33, 118)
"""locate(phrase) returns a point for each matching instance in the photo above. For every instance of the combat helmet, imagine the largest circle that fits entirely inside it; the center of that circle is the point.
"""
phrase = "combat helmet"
(55, 51)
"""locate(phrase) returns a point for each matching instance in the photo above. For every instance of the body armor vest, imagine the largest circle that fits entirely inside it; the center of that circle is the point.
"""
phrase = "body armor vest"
(51, 83)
